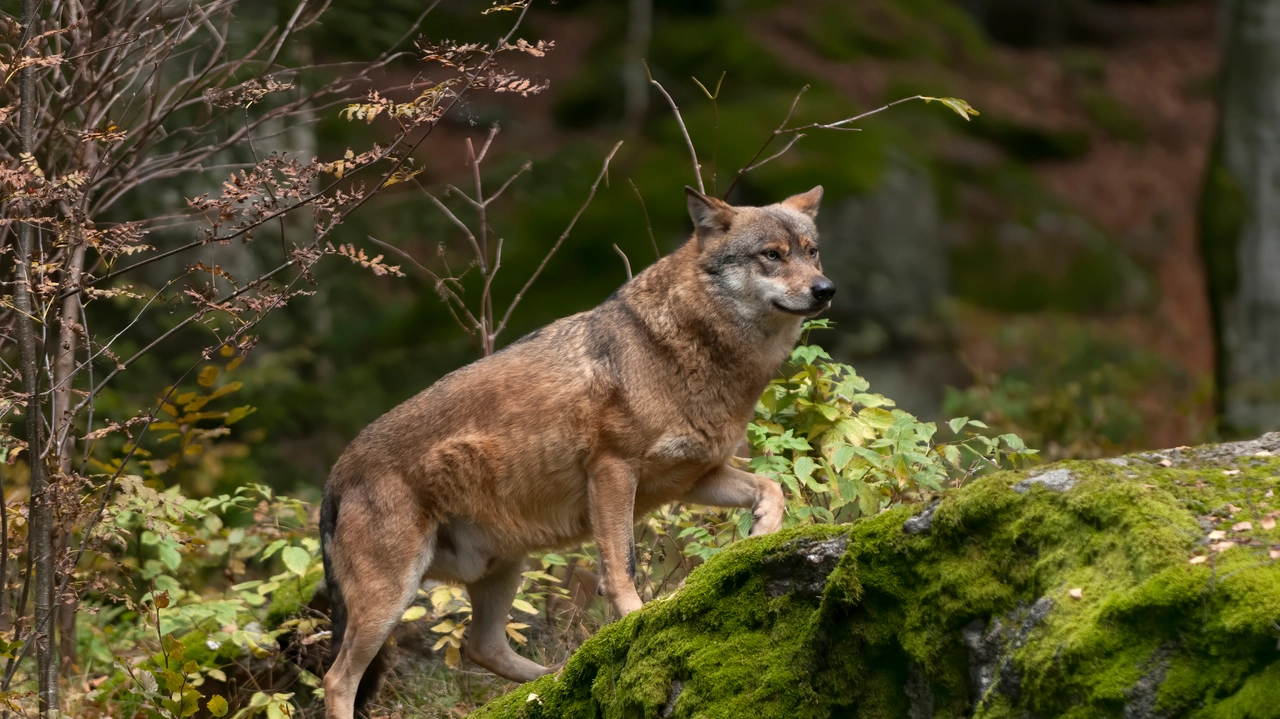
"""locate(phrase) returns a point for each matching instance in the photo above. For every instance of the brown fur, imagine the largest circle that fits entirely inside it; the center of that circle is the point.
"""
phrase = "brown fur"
(570, 434)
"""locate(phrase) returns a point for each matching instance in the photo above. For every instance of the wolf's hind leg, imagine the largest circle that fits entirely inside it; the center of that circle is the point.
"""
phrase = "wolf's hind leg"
(730, 487)
(378, 555)
(487, 643)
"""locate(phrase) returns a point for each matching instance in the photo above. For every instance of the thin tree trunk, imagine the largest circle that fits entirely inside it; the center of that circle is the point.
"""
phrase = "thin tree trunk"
(1240, 220)
(636, 85)
(41, 509)
(64, 371)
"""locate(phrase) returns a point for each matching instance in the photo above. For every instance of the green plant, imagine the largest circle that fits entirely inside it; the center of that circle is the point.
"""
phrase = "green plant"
(842, 452)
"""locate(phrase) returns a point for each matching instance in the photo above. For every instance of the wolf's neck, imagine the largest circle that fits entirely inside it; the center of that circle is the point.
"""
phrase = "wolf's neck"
(712, 346)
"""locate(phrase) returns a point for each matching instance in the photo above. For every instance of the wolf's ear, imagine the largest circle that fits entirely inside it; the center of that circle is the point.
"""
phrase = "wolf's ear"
(708, 213)
(806, 202)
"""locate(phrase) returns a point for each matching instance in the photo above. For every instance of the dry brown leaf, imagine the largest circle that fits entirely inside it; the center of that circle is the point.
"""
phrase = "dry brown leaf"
(1199, 560)
(1269, 523)
(1077, 593)
(1166, 463)
(1222, 546)
(1275, 553)
(1217, 534)
(1262, 453)
(1231, 472)
(1270, 493)
(1242, 526)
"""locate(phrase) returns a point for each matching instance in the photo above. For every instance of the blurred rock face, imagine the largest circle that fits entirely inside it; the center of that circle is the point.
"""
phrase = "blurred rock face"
(886, 254)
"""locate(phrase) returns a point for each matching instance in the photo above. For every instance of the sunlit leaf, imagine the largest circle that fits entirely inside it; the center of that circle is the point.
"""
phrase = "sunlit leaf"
(961, 108)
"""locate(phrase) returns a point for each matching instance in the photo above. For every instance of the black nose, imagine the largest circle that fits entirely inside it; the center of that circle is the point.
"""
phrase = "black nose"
(823, 290)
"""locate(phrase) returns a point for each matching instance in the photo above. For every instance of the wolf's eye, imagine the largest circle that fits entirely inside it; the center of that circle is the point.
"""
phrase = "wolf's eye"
(813, 251)
(772, 255)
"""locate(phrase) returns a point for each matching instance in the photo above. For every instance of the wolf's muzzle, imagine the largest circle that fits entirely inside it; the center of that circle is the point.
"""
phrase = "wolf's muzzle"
(822, 290)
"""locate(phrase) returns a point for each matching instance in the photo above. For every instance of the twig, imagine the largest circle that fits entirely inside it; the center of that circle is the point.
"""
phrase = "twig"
(625, 261)
(647, 225)
(715, 141)
(688, 141)
(520, 295)
(767, 141)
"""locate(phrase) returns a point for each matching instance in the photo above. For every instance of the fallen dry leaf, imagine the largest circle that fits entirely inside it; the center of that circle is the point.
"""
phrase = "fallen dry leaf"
(1242, 526)
(1217, 534)
(1166, 463)
(1182, 447)
(1076, 593)
(1231, 472)
(1270, 493)
(1269, 523)
(1234, 509)
(1275, 553)
(1222, 546)
(1199, 560)
(1262, 453)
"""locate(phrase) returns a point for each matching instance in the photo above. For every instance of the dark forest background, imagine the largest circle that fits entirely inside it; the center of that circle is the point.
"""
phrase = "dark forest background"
(1039, 267)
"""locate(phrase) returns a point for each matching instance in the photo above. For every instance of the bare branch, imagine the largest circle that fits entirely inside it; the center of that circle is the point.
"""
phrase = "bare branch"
(625, 261)
(532, 278)
(688, 141)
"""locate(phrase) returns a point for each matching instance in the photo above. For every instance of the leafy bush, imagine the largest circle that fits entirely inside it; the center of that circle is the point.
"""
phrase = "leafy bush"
(841, 452)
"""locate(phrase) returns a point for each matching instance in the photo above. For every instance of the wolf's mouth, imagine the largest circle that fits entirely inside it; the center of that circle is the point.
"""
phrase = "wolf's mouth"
(803, 312)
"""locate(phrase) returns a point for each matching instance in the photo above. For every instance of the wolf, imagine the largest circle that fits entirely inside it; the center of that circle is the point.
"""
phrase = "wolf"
(569, 434)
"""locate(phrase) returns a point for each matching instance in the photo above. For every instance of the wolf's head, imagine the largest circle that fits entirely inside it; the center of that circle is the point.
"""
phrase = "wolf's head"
(764, 260)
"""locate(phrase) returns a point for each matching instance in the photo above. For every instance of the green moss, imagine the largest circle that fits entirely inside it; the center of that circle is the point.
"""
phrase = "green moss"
(903, 619)
(292, 596)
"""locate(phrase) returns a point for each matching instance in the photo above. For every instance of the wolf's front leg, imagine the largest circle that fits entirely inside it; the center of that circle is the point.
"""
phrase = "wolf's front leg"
(727, 486)
(612, 496)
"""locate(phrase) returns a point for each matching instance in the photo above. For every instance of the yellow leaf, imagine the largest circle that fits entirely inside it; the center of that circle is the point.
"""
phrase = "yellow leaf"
(208, 376)
(516, 636)
(452, 657)
(443, 627)
(227, 350)
(524, 606)
(961, 108)
(184, 398)
(413, 614)
(217, 706)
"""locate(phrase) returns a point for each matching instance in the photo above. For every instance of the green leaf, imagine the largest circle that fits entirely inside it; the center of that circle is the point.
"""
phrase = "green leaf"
(216, 705)
(843, 454)
(524, 606)
(803, 467)
(296, 560)
(951, 453)
(957, 424)
(274, 547)
(170, 556)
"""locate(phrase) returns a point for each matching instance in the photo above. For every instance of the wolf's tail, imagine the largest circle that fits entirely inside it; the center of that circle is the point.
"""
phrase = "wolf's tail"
(372, 678)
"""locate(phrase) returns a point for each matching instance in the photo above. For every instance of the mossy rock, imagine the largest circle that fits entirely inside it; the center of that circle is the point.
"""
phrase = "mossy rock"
(1082, 589)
